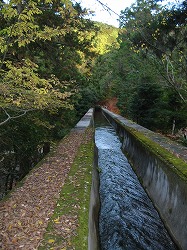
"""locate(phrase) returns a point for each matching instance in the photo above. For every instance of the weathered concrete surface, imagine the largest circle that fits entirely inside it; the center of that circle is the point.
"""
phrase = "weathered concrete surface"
(35, 203)
(173, 147)
(166, 188)
(93, 238)
(85, 121)
(93, 223)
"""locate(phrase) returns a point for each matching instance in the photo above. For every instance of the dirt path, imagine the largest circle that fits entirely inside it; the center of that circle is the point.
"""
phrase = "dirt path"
(25, 215)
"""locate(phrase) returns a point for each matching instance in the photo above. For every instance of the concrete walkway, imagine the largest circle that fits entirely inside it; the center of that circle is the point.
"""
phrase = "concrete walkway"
(40, 213)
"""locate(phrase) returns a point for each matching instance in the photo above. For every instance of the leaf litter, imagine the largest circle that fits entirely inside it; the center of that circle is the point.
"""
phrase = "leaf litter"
(24, 216)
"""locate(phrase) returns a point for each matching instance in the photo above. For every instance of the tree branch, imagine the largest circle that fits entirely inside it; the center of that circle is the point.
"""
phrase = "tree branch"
(9, 117)
(2, 159)
(107, 8)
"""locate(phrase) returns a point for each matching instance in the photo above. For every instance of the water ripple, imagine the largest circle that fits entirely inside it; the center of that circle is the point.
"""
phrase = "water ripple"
(128, 219)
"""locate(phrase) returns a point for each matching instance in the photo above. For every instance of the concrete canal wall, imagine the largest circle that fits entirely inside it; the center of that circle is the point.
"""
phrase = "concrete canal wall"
(93, 221)
(93, 237)
(161, 172)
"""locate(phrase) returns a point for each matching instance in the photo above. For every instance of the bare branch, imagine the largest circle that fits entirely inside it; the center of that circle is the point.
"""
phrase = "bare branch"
(108, 8)
(2, 159)
(9, 117)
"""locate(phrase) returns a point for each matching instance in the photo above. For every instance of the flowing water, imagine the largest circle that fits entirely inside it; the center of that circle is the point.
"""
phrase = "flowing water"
(128, 219)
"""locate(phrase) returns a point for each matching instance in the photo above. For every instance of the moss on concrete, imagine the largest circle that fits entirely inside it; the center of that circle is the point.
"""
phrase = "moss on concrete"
(176, 164)
(73, 205)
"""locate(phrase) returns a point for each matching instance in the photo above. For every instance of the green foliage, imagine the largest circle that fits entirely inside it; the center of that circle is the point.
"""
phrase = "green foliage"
(40, 44)
(92, 90)
(106, 38)
(42, 48)
(147, 73)
(55, 64)
(159, 33)
(22, 87)
(146, 106)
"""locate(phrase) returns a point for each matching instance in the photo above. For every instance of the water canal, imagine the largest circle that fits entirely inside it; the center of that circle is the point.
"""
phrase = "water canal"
(128, 219)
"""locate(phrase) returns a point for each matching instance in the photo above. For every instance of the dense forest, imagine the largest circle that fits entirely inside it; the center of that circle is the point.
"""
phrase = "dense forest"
(55, 63)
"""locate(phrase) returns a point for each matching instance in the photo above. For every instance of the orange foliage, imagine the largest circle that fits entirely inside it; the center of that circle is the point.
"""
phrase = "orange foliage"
(110, 104)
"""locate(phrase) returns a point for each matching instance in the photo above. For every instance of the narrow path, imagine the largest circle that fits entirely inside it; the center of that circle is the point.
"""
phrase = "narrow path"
(25, 214)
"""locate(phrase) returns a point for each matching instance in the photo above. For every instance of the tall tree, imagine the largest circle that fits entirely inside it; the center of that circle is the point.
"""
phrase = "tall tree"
(38, 40)
(160, 33)
(41, 47)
